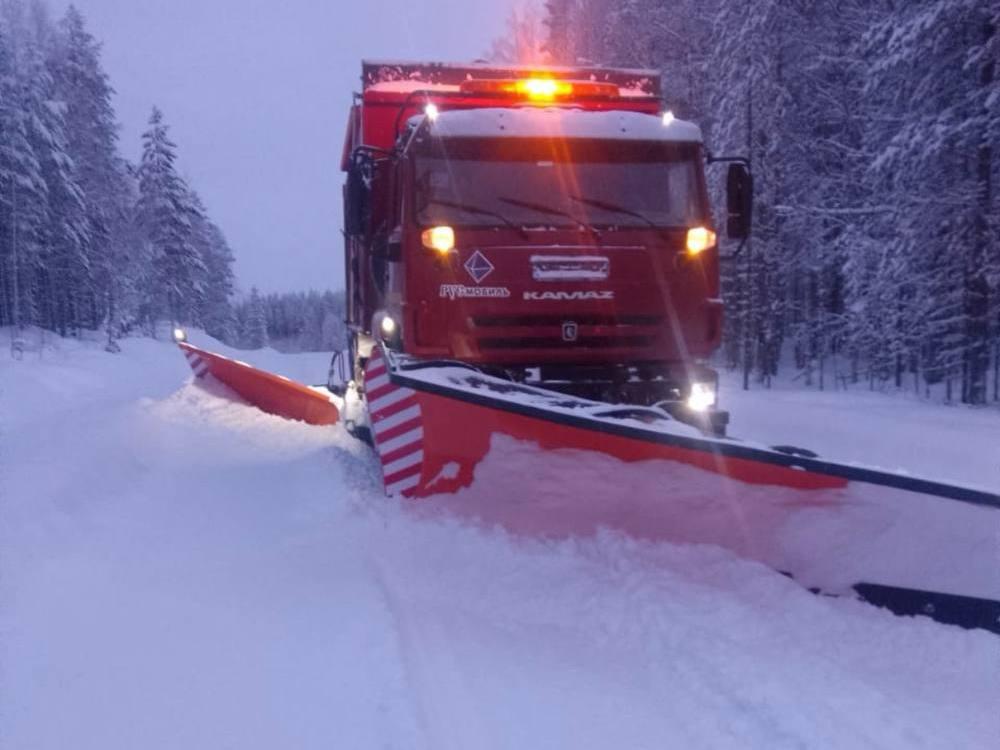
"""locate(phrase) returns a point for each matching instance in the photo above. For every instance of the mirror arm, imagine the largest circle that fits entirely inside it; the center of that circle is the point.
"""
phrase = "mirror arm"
(710, 159)
(370, 150)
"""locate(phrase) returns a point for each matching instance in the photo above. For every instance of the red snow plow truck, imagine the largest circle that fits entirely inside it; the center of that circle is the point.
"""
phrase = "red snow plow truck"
(549, 227)
(533, 294)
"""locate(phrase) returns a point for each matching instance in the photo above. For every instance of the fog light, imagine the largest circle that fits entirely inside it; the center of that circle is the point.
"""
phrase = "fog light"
(388, 327)
(180, 334)
(702, 397)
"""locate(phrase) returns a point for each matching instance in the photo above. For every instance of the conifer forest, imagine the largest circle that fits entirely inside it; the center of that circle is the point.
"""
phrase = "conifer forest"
(873, 128)
(87, 239)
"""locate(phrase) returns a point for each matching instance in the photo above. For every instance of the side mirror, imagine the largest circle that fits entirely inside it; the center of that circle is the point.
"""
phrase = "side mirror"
(355, 201)
(739, 201)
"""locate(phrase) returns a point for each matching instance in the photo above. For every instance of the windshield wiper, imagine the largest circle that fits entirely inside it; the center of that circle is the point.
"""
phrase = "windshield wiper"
(605, 206)
(543, 209)
(477, 210)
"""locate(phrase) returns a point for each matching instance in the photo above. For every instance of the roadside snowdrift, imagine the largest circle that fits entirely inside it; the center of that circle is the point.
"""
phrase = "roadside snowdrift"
(183, 571)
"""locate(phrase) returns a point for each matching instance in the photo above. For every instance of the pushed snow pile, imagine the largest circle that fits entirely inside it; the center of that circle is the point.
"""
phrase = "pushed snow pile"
(182, 571)
(308, 368)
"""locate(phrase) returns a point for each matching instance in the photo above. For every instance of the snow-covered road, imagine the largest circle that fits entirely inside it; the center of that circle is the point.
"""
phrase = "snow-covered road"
(182, 571)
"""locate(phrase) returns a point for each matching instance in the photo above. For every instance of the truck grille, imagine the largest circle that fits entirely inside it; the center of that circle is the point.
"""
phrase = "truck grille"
(553, 342)
(594, 331)
(541, 321)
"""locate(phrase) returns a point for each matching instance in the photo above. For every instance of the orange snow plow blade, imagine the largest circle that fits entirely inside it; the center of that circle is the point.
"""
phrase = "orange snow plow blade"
(547, 463)
(272, 393)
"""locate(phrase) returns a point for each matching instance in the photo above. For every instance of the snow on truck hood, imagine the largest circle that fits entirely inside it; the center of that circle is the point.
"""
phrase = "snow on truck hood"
(560, 122)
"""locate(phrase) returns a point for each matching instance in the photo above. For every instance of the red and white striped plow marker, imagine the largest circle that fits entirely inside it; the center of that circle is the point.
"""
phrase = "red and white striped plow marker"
(272, 393)
(199, 366)
(397, 427)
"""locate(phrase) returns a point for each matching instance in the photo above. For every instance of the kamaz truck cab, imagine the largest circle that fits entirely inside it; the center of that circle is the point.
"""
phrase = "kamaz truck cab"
(549, 226)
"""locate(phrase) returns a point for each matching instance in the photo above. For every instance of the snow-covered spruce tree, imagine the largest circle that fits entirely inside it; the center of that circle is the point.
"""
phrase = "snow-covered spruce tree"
(671, 37)
(558, 42)
(983, 57)
(92, 134)
(524, 38)
(167, 213)
(299, 321)
(64, 279)
(587, 24)
(933, 163)
(74, 251)
(20, 183)
(824, 211)
(124, 262)
(217, 312)
(750, 99)
(25, 216)
(255, 332)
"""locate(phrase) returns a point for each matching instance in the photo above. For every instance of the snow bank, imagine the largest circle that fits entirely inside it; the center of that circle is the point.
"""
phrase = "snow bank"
(308, 368)
(890, 537)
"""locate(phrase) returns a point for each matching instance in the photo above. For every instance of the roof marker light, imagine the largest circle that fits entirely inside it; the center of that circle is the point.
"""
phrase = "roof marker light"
(539, 89)
(431, 111)
(668, 117)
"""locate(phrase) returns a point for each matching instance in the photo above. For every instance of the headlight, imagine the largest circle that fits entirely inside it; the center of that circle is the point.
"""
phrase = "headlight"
(699, 239)
(179, 334)
(440, 238)
(702, 397)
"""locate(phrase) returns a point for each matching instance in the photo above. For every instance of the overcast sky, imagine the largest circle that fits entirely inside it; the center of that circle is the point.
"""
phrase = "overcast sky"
(256, 94)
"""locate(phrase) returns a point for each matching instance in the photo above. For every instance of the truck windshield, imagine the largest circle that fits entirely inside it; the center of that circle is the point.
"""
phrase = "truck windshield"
(479, 182)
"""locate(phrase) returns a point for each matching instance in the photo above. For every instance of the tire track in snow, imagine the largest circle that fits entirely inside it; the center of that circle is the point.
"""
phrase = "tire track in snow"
(439, 688)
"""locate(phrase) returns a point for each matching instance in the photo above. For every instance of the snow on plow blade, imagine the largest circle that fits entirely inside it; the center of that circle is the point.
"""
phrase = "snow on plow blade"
(915, 546)
(272, 393)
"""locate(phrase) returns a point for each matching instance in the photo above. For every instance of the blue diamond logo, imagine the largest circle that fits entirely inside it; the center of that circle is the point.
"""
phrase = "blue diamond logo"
(478, 266)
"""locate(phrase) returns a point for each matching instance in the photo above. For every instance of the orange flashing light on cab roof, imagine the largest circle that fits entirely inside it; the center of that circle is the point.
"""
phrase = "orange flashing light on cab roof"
(539, 89)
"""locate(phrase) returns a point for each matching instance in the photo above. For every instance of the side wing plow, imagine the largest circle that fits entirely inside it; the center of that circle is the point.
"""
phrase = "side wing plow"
(272, 393)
